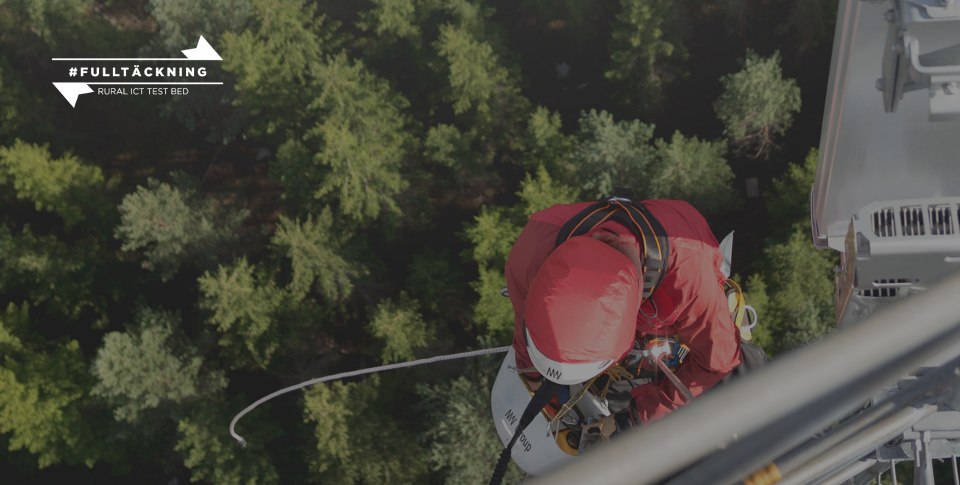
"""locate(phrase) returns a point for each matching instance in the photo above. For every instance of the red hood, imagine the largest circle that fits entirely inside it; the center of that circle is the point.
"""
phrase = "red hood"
(583, 302)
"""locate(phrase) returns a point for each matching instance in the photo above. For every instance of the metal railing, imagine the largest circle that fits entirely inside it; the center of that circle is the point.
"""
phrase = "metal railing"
(739, 428)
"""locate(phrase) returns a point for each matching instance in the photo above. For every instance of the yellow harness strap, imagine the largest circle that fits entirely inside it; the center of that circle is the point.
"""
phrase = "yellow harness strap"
(739, 304)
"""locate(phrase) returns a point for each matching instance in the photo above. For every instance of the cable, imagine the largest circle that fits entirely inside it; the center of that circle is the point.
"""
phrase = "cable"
(540, 398)
(343, 375)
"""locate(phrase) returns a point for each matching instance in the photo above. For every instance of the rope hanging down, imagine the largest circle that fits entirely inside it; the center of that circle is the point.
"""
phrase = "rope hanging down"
(344, 375)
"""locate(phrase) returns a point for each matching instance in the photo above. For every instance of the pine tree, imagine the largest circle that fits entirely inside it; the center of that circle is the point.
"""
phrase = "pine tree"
(612, 154)
(401, 328)
(463, 441)
(182, 22)
(695, 171)
(150, 366)
(341, 128)
(51, 20)
(43, 389)
(313, 248)
(65, 186)
(435, 278)
(543, 192)
(794, 294)
(475, 73)
(358, 441)
(273, 62)
(361, 142)
(396, 18)
(47, 272)
(795, 301)
(213, 456)
(495, 231)
(245, 305)
(547, 146)
(13, 97)
(176, 225)
(790, 198)
(644, 47)
(757, 104)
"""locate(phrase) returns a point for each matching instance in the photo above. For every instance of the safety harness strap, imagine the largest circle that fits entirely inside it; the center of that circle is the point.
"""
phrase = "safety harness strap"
(623, 208)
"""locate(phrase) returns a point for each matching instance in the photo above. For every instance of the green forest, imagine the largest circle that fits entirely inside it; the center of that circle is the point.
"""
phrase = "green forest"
(348, 198)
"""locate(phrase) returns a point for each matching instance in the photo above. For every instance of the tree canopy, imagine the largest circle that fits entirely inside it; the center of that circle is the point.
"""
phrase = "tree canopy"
(348, 197)
(757, 104)
(176, 225)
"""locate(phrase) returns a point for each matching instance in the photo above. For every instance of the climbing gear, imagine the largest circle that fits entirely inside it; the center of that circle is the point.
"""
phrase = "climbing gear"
(640, 360)
(614, 374)
(739, 308)
(670, 351)
(658, 357)
(673, 378)
(597, 430)
(344, 375)
(625, 209)
(569, 441)
(541, 397)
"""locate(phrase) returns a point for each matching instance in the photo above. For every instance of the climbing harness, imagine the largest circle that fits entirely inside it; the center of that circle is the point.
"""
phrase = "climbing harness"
(739, 308)
(623, 208)
(344, 375)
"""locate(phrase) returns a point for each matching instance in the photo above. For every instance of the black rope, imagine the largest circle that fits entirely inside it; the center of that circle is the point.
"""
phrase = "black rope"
(540, 398)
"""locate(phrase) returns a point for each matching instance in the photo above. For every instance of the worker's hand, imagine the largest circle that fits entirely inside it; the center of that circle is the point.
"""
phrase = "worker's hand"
(597, 430)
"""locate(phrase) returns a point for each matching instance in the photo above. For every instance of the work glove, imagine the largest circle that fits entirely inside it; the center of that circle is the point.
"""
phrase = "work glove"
(597, 430)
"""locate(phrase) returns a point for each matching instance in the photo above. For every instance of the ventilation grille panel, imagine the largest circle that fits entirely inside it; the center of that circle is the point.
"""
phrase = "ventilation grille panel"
(894, 282)
(911, 220)
(887, 288)
(879, 292)
(940, 220)
(882, 222)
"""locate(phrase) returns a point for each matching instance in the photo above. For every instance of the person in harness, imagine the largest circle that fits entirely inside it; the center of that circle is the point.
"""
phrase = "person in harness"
(596, 287)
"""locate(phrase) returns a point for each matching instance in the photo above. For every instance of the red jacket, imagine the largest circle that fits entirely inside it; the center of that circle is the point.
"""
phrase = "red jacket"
(690, 301)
